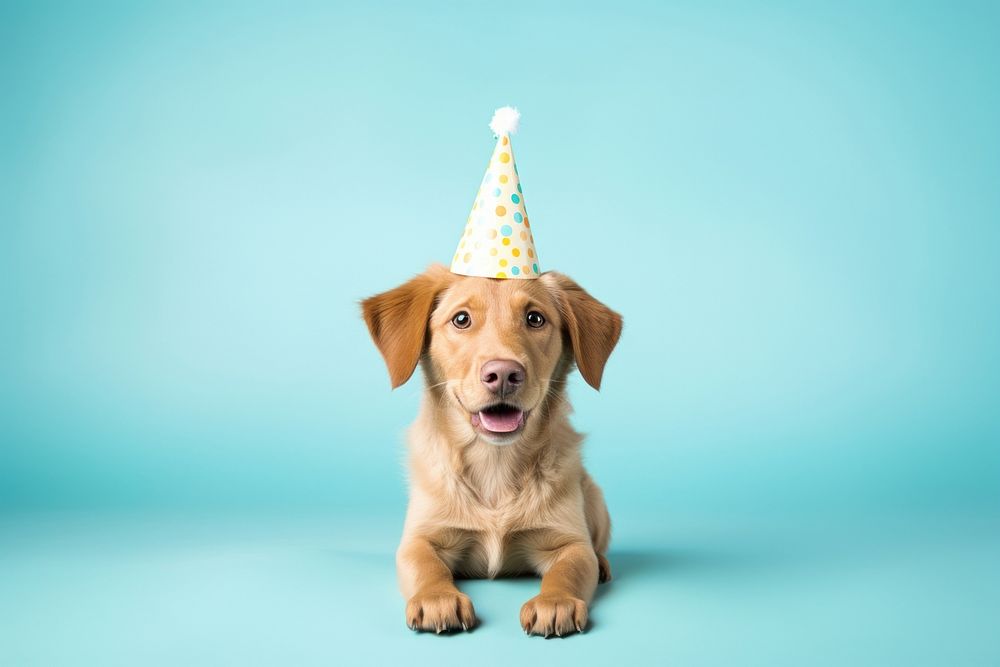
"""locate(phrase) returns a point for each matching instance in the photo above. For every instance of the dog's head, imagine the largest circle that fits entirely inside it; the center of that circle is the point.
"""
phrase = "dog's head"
(495, 350)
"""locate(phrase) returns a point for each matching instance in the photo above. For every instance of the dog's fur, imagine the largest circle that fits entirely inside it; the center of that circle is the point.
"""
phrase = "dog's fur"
(484, 504)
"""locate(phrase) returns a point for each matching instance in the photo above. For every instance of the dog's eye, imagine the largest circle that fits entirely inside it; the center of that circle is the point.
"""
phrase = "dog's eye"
(461, 320)
(535, 319)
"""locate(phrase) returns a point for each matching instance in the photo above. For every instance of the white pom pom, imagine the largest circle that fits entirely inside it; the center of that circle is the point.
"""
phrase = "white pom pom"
(505, 120)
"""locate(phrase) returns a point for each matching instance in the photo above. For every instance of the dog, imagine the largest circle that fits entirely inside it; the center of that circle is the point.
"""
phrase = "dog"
(497, 485)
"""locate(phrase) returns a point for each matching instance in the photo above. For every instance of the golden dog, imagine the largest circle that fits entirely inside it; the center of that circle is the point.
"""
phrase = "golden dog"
(497, 483)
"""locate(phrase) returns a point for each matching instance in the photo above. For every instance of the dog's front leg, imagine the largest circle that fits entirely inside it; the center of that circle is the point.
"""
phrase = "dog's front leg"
(433, 601)
(567, 586)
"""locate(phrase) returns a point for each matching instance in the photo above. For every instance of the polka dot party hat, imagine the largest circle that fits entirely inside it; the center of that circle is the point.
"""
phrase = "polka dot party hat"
(497, 242)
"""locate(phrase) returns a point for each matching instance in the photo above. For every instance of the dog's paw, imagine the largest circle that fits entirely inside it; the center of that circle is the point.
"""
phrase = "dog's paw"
(553, 615)
(603, 569)
(440, 612)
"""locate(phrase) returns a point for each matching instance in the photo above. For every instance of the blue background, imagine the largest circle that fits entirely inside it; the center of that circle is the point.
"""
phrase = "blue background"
(797, 211)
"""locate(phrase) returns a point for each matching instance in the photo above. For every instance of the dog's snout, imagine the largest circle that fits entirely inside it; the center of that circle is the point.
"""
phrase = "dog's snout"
(502, 376)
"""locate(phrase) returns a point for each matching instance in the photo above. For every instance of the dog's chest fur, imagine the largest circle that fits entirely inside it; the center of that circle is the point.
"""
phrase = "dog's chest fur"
(501, 512)
(496, 541)
(492, 511)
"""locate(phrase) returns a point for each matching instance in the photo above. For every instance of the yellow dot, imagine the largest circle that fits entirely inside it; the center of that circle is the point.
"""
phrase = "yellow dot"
(506, 241)
(505, 157)
(493, 233)
(503, 262)
(505, 141)
(467, 257)
(531, 253)
(515, 252)
(501, 211)
(493, 251)
(503, 178)
(501, 275)
(524, 236)
(462, 244)
(526, 269)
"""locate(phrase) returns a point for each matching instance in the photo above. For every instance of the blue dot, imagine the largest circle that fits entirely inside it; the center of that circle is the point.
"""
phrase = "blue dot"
(506, 230)
(515, 199)
(534, 267)
(518, 217)
(519, 188)
(496, 192)
(515, 270)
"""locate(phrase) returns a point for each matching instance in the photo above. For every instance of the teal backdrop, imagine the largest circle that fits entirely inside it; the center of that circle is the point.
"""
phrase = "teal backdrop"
(795, 206)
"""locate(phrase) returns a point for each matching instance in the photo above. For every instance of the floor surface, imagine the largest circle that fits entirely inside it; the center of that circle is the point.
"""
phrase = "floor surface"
(158, 589)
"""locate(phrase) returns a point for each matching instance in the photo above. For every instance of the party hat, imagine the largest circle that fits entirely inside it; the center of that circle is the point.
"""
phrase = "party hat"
(497, 242)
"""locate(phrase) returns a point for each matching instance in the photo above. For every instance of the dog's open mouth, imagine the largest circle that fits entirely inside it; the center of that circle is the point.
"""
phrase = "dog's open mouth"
(500, 418)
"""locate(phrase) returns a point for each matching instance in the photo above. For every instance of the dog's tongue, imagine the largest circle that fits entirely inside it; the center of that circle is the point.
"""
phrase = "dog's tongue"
(503, 421)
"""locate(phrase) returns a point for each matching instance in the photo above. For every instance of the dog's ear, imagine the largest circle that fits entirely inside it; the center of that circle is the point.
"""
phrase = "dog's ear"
(593, 328)
(397, 320)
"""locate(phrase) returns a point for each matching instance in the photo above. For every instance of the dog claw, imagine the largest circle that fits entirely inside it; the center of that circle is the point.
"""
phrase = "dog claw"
(578, 628)
(465, 627)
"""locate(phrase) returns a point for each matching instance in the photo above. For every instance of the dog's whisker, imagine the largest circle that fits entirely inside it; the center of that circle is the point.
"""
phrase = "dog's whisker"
(554, 393)
(438, 384)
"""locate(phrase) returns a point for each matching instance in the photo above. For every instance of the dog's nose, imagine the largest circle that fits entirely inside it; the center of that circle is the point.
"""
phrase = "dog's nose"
(502, 376)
